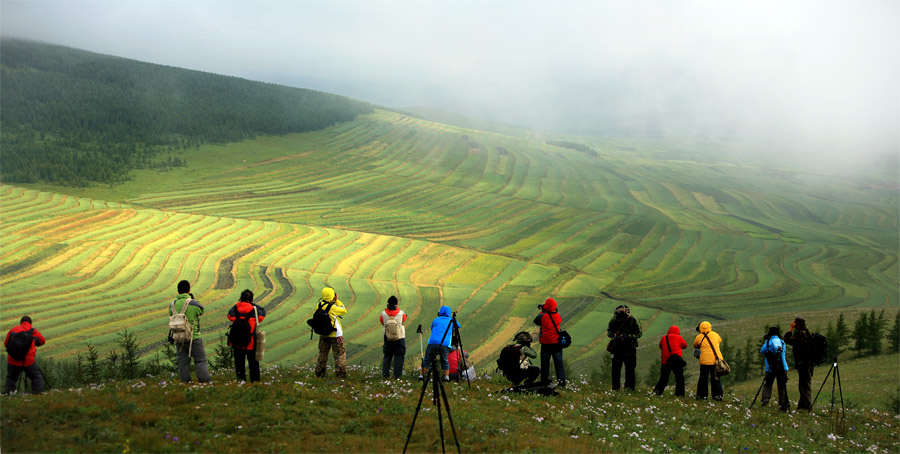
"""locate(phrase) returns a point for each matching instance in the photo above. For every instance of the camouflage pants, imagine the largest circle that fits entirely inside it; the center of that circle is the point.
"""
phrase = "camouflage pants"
(340, 357)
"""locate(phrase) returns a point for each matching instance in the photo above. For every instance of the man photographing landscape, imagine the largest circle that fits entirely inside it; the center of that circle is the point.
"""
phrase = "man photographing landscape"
(20, 346)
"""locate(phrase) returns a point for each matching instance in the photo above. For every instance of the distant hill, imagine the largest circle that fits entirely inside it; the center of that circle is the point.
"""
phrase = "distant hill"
(75, 118)
(455, 119)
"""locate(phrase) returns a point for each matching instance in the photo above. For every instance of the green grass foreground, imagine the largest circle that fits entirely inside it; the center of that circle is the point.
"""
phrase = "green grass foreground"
(292, 411)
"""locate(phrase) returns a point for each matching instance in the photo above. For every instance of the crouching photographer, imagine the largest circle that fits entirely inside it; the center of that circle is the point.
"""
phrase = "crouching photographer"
(515, 360)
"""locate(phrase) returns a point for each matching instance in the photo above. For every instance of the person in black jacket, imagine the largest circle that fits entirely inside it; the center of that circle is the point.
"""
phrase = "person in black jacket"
(623, 332)
(800, 339)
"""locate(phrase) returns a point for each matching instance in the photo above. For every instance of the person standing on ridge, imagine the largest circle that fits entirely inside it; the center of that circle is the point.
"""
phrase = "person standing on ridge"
(185, 303)
(392, 320)
(550, 321)
(708, 342)
(672, 361)
(800, 340)
(776, 368)
(21, 342)
(334, 341)
(623, 330)
(243, 317)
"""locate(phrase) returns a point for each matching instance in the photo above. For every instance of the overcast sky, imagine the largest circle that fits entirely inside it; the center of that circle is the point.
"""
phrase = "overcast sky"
(819, 74)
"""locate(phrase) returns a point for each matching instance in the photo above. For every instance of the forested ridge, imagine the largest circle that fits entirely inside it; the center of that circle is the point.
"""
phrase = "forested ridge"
(77, 118)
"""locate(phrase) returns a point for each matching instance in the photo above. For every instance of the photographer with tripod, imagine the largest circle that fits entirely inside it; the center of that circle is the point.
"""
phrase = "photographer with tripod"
(439, 342)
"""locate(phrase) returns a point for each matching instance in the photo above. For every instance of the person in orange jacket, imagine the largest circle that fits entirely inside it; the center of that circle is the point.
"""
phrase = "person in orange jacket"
(708, 342)
(241, 337)
(20, 345)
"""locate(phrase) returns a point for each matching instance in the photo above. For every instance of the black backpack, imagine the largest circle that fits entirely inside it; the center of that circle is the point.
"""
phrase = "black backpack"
(240, 333)
(818, 349)
(774, 358)
(510, 360)
(321, 320)
(20, 344)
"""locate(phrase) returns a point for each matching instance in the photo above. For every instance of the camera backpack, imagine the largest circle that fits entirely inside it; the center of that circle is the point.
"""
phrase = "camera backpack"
(510, 359)
(20, 344)
(321, 320)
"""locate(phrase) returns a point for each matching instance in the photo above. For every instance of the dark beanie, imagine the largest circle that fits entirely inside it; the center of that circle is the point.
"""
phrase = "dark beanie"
(773, 331)
(392, 302)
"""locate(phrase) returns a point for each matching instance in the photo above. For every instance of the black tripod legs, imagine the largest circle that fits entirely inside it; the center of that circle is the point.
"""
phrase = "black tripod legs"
(438, 393)
(757, 393)
(835, 383)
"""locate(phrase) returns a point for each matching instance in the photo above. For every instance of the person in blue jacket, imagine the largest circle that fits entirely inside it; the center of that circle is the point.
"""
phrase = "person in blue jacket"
(776, 368)
(439, 342)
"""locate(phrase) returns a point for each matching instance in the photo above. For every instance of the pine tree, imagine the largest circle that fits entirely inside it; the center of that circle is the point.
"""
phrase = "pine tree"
(877, 326)
(860, 335)
(894, 336)
(130, 365)
(843, 336)
(93, 373)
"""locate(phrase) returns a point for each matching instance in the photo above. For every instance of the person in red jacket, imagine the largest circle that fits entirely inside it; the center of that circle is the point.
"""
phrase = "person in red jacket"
(457, 354)
(550, 321)
(20, 343)
(671, 346)
(241, 338)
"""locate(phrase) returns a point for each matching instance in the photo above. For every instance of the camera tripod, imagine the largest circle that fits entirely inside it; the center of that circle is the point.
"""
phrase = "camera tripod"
(438, 392)
(456, 341)
(835, 379)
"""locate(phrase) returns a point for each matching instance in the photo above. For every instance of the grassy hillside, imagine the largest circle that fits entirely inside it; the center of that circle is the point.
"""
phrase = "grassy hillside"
(291, 411)
(488, 224)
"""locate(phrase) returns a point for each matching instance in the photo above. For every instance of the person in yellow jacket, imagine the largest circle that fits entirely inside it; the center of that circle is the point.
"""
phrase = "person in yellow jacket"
(708, 341)
(335, 340)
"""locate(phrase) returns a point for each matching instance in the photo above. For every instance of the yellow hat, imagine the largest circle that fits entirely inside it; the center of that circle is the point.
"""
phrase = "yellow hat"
(328, 294)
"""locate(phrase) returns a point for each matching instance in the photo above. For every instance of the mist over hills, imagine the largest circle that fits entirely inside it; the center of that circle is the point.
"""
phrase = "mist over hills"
(74, 117)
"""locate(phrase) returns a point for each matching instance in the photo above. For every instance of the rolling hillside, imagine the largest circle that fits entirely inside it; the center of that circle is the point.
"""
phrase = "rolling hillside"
(78, 118)
(490, 224)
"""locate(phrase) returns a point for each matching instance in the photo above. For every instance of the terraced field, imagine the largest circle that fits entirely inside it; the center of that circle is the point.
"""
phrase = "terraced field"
(487, 223)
